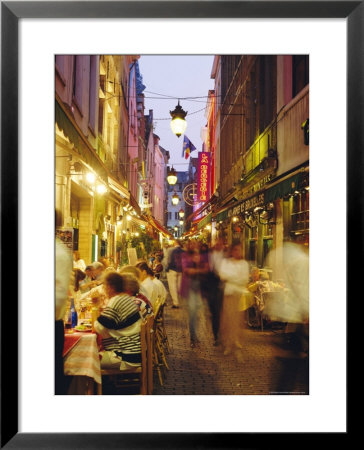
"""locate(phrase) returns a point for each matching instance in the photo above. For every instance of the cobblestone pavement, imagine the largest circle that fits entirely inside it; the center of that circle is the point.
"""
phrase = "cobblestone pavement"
(263, 369)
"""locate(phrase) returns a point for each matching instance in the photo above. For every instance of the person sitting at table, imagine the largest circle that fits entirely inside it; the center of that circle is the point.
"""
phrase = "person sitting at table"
(157, 266)
(147, 282)
(98, 271)
(119, 326)
(78, 277)
(132, 287)
(143, 292)
(162, 291)
(88, 282)
(78, 263)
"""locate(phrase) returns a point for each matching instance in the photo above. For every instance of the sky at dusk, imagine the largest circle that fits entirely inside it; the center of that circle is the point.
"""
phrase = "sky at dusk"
(177, 76)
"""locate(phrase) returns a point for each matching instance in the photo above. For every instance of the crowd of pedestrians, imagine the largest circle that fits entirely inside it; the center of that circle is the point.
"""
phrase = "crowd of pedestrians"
(214, 279)
(216, 275)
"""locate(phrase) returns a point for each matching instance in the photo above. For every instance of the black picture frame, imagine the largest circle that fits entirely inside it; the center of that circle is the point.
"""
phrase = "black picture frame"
(11, 12)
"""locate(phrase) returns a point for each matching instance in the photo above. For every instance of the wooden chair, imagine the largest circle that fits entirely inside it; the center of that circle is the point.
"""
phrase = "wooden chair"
(161, 328)
(160, 339)
(142, 376)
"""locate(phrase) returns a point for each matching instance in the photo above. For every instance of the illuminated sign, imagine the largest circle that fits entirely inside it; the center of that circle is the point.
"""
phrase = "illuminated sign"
(203, 181)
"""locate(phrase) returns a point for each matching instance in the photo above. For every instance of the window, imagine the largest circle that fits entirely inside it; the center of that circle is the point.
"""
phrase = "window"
(92, 93)
(176, 216)
(101, 116)
(251, 108)
(266, 89)
(300, 212)
(169, 216)
(300, 73)
(77, 82)
(60, 63)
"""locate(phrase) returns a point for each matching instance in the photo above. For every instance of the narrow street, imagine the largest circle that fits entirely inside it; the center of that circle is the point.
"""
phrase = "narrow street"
(204, 370)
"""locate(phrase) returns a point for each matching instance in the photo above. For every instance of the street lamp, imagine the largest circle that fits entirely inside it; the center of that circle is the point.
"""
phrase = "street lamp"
(178, 122)
(175, 199)
(181, 213)
(172, 176)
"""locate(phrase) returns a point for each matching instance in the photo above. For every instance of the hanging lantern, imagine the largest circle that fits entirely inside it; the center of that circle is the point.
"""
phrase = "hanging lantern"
(172, 176)
(175, 199)
(178, 122)
(181, 213)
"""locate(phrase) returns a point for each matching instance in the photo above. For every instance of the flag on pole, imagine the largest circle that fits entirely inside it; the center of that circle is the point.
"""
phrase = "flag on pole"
(188, 147)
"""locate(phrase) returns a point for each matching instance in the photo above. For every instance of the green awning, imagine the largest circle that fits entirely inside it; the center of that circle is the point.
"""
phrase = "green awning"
(221, 216)
(203, 222)
(286, 187)
(86, 153)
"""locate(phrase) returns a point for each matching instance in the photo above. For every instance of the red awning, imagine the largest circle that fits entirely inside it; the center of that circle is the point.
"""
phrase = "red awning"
(135, 204)
(154, 222)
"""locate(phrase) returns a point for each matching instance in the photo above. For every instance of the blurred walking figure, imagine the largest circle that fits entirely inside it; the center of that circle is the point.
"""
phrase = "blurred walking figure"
(194, 265)
(63, 270)
(212, 288)
(174, 273)
(290, 264)
(235, 272)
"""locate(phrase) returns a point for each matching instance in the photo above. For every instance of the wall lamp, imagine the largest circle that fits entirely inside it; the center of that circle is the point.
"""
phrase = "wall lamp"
(265, 214)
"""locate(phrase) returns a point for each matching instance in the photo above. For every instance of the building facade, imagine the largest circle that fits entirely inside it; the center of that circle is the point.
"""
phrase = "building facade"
(258, 127)
(95, 102)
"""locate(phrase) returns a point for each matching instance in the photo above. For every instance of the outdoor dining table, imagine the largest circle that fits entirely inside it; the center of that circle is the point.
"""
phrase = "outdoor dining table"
(81, 362)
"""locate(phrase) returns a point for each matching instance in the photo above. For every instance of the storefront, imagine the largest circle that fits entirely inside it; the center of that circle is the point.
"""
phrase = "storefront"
(263, 221)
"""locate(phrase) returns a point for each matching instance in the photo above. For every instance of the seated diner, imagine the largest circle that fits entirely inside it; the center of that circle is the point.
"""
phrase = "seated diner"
(119, 326)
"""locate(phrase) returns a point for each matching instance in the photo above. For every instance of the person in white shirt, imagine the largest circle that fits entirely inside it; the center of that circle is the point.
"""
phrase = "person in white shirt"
(147, 282)
(63, 271)
(162, 291)
(78, 263)
(235, 272)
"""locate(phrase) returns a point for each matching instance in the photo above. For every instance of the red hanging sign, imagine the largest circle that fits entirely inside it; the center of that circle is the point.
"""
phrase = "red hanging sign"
(203, 181)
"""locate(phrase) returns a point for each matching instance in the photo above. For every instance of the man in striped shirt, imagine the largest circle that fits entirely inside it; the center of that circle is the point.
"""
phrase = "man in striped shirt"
(119, 326)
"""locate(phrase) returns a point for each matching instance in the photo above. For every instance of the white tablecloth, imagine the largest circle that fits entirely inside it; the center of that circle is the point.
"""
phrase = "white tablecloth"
(83, 358)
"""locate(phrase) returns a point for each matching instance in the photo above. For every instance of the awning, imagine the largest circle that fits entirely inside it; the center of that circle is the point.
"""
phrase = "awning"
(286, 187)
(280, 189)
(222, 215)
(120, 190)
(135, 205)
(203, 222)
(160, 228)
(209, 203)
(225, 205)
